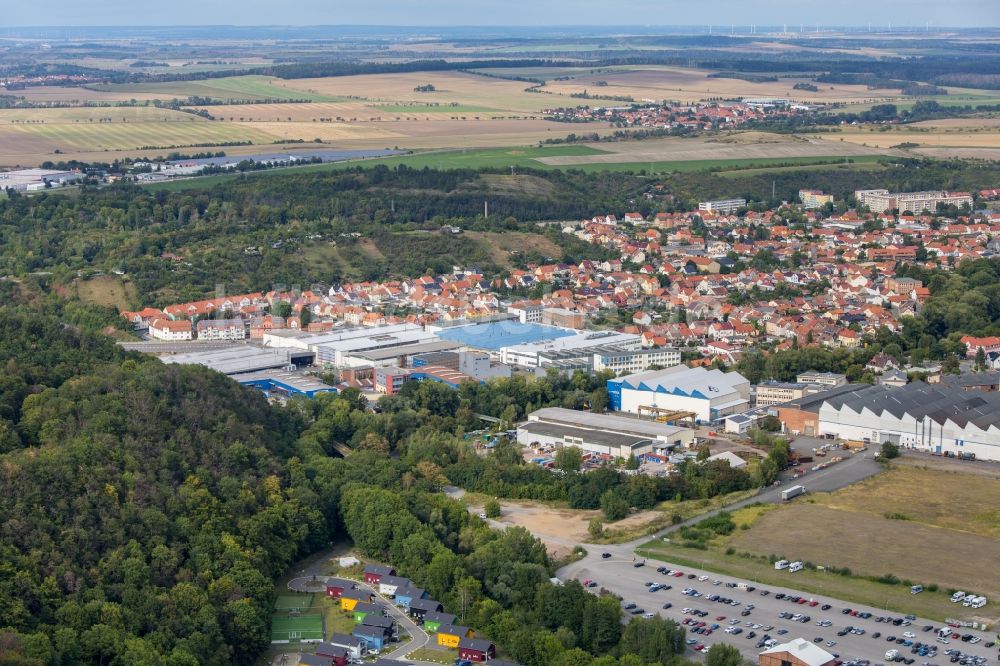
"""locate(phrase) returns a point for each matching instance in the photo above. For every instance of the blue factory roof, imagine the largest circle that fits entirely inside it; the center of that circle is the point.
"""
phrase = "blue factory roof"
(494, 335)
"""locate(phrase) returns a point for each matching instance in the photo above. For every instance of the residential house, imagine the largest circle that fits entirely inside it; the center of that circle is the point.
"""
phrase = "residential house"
(356, 648)
(434, 620)
(476, 649)
(336, 586)
(351, 598)
(374, 637)
(363, 609)
(387, 585)
(449, 635)
(418, 608)
(407, 595)
(167, 329)
(374, 572)
(221, 329)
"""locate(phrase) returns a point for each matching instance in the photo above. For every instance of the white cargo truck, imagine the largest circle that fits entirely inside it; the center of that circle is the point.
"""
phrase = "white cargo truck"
(794, 491)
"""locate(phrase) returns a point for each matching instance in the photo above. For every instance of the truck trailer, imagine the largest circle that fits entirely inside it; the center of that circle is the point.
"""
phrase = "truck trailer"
(794, 491)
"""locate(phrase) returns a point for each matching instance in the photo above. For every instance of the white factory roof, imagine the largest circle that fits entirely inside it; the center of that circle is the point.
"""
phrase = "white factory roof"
(685, 381)
(581, 340)
(803, 650)
(606, 422)
(233, 360)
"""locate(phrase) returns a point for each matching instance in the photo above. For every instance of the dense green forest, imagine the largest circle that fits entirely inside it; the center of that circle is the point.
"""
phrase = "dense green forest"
(278, 229)
(146, 509)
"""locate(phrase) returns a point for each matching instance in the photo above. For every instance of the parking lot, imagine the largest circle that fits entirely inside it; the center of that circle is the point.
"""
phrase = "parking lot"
(753, 612)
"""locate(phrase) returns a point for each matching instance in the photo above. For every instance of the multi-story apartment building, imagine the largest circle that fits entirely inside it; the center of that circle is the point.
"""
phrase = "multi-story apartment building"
(814, 199)
(526, 312)
(221, 329)
(832, 379)
(168, 329)
(722, 206)
(880, 201)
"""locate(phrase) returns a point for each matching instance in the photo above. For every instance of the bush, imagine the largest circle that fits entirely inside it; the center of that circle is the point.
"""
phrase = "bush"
(730, 550)
(492, 509)
(676, 519)
(888, 451)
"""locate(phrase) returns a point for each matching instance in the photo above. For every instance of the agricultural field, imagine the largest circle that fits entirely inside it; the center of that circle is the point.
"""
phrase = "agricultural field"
(929, 526)
(656, 83)
(740, 146)
(965, 138)
(226, 88)
(450, 87)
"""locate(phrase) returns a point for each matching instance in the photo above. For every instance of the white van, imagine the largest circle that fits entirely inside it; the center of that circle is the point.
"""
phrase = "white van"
(916, 589)
(794, 566)
(978, 602)
(958, 596)
(781, 564)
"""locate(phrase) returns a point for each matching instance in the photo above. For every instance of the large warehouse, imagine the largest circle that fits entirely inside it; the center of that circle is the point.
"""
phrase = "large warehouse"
(709, 394)
(928, 417)
(617, 436)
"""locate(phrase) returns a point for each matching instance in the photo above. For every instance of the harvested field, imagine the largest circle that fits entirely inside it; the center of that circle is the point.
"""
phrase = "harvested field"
(226, 88)
(964, 123)
(691, 85)
(677, 149)
(450, 87)
(924, 137)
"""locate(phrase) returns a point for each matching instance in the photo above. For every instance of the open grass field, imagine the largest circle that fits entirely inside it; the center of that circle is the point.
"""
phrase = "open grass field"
(108, 290)
(503, 247)
(299, 602)
(296, 628)
(226, 88)
(924, 525)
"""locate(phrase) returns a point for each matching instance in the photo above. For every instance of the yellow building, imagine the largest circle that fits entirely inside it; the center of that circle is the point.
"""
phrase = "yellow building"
(449, 636)
(814, 198)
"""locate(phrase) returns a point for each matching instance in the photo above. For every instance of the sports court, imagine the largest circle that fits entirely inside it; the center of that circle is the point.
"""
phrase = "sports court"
(292, 628)
(298, 602)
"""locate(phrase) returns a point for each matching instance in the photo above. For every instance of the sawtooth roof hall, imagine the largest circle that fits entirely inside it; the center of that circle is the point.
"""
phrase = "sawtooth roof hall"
(937, 418)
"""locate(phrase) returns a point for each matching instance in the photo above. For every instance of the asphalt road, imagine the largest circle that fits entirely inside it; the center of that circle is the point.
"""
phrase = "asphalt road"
(618, 575)
(855, 468)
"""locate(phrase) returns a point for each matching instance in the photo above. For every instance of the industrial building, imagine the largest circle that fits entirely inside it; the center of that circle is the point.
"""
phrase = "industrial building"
(33, 180)
(797, 652)
(618, 436)
(474, 364)
(284, 383)
(832, 379)
(709, 395)
(239, 359)
(493, 336)
(881, 201)
(935, 418)
(354, 347)
(773, 393)
(583, 344)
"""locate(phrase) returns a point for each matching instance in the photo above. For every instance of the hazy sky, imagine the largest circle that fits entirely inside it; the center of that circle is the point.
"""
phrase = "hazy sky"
(983, 13)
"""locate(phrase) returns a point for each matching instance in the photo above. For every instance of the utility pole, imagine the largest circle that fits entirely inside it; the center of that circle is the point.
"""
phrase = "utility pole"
(486, 210)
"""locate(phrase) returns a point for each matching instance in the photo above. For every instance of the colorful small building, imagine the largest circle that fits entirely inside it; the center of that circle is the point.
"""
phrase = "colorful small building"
(476, 649)
(374, 573)
(449, 635)
(407, 595)
(356, 648)
(363, 609)
(434, 620)
(336, 586)
(388, 585)
(374, 637)
(350, 598)
(418, 608)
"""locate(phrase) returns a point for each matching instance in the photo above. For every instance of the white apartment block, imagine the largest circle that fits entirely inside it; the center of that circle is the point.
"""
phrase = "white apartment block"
(880, 201)
(722, 206)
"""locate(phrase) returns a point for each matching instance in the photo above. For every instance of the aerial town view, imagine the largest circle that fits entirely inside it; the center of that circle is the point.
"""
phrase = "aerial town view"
(529, 334)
